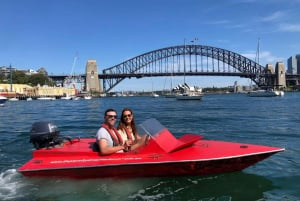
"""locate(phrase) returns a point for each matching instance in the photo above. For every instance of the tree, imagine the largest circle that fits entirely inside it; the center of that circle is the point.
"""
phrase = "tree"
(41, 79)
(3, 78)
(19, 77)
(42, 70)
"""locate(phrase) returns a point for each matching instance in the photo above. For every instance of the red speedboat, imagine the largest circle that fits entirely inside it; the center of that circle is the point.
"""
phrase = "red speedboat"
(164, 155)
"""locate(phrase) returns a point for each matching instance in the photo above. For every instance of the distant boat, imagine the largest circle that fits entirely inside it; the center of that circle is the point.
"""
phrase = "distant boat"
(155, 95)
(2, 100)
(67, 97)
(13, 99)
(75, 98)
(29, 99)
(189, 96)
(265, 93)
(46, 98)
(87, 97)
(170, 95)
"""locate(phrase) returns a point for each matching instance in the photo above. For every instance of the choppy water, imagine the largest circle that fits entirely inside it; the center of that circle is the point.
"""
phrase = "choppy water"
(230, 117)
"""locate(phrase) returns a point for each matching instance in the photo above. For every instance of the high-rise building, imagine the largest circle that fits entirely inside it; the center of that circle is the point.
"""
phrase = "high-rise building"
(294, 64)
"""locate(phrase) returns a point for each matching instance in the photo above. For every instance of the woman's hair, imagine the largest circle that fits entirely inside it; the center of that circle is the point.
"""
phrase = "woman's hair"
(122, 123)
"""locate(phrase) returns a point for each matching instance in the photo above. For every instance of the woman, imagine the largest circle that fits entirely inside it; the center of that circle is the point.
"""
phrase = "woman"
(128, 130)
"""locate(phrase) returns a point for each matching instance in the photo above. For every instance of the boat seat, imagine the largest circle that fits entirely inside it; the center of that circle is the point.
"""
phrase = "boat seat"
(94, 146)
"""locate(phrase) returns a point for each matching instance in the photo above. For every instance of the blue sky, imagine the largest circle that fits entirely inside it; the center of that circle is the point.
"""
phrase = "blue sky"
(49, 33)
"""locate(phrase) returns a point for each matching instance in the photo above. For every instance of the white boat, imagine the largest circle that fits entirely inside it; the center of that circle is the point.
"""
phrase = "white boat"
(170, 95)
(67, 97)
(189, 96)
(75, 98)
(87, 97)
(46, 98)
(3, 99)
(29, 99)
(265, 93)
(155, 95)
(13, 99)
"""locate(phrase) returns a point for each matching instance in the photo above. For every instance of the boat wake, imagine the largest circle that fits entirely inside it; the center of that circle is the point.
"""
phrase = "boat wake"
(15, 187)
(11, 185)
(207, 188)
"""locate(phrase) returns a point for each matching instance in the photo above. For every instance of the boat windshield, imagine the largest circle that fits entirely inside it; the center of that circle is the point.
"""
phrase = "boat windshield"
(150, 127)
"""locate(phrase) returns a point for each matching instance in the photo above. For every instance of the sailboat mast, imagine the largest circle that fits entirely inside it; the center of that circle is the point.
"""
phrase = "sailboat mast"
(10, 78)
(257, 51)
(184, 61)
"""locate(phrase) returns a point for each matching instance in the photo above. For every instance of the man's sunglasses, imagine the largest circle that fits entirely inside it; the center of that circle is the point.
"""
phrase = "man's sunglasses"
(112, 116)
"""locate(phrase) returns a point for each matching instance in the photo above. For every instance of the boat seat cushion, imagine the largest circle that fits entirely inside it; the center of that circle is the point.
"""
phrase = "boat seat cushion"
(94, 146)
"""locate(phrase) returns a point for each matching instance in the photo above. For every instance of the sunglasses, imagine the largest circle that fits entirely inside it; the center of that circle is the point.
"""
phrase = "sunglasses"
(127, 115)
(112, 116)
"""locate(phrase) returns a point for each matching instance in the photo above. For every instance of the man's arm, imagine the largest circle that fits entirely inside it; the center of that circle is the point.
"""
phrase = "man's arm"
(106, 150)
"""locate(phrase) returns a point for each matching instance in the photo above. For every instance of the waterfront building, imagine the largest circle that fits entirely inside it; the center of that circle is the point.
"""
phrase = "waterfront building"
(49, 91)
(294, 64)
(26, 90)
(5, 70)
(16, 88)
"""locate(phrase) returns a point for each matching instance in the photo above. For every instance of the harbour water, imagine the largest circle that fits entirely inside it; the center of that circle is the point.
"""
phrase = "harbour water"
(230, 117)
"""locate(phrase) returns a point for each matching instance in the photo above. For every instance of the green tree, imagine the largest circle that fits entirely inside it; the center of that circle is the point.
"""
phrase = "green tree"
(3, 78)
(41, 79)
(19, 77)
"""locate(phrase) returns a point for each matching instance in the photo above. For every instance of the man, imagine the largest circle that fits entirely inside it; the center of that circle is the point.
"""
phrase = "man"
(108, 138)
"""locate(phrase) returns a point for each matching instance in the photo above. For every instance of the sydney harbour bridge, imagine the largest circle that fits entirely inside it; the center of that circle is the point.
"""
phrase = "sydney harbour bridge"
(188, 60)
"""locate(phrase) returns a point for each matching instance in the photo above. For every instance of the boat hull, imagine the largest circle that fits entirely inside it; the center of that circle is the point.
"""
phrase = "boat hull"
(265, 93)
(189, 97)
(2, 100)
(201, 158)
(190, 168)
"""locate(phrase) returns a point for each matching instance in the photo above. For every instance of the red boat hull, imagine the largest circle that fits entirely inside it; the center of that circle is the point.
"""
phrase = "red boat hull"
(153, 170)
(189, 157)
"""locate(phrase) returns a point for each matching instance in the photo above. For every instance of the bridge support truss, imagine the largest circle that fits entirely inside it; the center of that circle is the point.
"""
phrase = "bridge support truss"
(184, 60)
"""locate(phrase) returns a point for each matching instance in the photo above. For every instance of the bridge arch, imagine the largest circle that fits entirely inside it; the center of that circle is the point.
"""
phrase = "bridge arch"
(178, 61)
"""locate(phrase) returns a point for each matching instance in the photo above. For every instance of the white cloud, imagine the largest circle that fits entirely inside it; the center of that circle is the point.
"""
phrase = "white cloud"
(289, 27)
(265, 57)
(269, 58)
(278, 15)
(218, 22)
(250, 55)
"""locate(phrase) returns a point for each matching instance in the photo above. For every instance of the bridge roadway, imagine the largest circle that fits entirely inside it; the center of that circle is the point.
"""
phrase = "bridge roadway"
(60, 78)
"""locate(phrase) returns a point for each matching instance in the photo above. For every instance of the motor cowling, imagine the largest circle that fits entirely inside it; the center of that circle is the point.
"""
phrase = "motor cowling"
(44, 134)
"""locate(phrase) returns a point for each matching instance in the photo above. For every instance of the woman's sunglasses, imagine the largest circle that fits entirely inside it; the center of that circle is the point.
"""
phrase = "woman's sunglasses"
(127, 115)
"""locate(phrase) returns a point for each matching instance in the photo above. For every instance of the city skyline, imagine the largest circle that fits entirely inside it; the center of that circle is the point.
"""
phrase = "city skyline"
(50, 34)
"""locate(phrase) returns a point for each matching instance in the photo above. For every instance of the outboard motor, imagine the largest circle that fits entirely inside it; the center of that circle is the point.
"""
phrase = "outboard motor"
(44, 134)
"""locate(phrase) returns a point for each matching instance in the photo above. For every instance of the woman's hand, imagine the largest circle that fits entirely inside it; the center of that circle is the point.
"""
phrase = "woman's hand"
(127, 145)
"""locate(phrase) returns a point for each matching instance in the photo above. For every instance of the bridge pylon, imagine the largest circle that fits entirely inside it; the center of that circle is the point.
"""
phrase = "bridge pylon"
(92, 79)
(280, 75)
